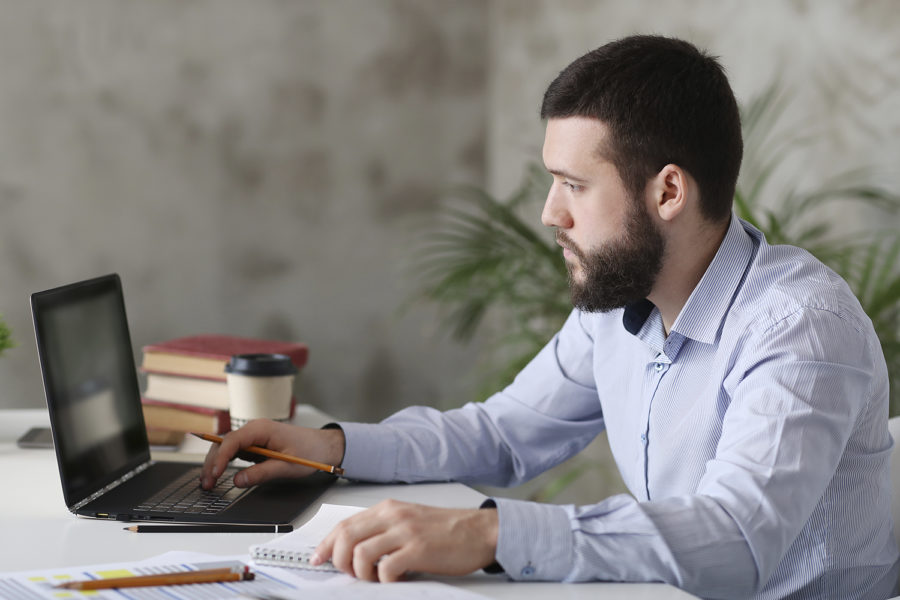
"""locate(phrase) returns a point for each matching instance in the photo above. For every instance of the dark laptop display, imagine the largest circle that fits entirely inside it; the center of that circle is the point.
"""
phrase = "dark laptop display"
(93, 397)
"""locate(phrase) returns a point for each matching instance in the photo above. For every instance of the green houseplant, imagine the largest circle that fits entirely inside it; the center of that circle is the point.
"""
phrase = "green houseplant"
(6, 341)
(490, 256)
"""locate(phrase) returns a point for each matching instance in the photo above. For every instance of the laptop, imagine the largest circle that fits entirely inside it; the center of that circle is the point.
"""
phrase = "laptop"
(93, 397)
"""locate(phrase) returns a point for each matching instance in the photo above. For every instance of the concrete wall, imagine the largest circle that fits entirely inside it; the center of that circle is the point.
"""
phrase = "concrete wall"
(263, 168)
(258, 168)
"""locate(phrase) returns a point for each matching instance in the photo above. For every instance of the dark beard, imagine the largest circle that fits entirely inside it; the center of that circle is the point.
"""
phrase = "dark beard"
(620, 272)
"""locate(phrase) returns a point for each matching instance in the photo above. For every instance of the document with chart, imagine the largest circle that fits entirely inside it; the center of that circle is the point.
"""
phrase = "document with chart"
(270, 583)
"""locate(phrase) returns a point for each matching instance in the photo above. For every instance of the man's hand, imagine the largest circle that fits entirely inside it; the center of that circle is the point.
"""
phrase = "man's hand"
(321, 445)
(391, 538)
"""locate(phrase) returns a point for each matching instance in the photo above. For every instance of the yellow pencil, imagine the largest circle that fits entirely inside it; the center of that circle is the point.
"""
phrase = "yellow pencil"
(277, 455)
(181, 578)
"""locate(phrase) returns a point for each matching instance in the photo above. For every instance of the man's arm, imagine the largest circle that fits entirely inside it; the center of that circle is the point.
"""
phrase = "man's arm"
(794, 404)
(548, 414)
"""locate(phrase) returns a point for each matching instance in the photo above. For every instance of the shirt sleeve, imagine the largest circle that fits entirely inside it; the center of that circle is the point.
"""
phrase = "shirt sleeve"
(690, 542)
(549, 413)
(797, 396)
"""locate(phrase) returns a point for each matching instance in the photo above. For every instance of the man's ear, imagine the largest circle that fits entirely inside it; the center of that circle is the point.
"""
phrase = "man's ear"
(671, 187)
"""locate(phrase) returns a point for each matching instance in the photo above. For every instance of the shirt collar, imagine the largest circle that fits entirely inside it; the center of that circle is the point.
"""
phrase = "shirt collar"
(703, 313)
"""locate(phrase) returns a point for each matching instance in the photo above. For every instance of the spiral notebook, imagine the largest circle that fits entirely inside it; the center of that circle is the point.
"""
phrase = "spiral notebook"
(296, 548)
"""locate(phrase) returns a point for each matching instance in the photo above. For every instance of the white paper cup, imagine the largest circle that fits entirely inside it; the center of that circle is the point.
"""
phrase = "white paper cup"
(260, 386)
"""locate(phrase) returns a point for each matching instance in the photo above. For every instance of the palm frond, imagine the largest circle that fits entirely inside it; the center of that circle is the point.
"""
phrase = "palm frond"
(484, 254)
(6, 340)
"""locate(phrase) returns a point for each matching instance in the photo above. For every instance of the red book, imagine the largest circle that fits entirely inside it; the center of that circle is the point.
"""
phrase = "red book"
(171, 416)
(206, 355)
(181, 417)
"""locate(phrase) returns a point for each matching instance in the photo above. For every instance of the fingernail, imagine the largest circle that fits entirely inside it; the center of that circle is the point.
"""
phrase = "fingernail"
(240, 480)
(315, 560)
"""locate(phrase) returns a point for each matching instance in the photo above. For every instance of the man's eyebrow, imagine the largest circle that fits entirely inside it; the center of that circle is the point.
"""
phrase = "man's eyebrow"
(566, 175)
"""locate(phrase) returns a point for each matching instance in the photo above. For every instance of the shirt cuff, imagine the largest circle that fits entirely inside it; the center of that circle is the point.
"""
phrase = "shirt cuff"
(370, 452)
(535, 541)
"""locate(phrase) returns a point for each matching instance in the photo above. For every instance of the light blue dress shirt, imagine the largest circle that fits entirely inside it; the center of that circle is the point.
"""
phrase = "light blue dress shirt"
(753, 439)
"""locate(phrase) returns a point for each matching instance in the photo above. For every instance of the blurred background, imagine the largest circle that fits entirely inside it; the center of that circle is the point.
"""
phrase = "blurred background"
(267, 168)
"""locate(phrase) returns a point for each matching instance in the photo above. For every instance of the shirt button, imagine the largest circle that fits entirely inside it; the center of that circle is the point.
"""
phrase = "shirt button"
(527, 571)
(644, 437)
(659, 367)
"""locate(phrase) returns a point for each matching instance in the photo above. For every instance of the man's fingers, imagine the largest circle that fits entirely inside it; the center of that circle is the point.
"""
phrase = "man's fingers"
(368, 553)
(338, 545)
(396, 565)
(393, 538)
(219, 455)
(206, 478)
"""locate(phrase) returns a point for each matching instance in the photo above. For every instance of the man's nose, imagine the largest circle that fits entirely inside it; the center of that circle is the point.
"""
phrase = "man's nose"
(555, 213)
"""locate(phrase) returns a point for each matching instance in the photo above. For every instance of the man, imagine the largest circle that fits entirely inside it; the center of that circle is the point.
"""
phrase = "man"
(742, 387)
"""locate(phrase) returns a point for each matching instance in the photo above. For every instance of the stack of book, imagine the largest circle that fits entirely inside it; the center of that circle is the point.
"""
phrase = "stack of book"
(186, 388)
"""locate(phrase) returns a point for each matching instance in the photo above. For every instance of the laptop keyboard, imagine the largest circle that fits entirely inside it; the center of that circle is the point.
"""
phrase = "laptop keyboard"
(184, 495)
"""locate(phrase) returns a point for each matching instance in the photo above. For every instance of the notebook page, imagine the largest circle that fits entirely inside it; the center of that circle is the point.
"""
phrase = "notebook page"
(295, 548)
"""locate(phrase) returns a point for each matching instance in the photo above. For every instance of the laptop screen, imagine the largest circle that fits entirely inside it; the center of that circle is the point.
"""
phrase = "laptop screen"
(90, 382)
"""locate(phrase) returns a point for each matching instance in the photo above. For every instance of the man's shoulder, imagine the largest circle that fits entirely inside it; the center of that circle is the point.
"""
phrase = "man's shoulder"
(784, 280)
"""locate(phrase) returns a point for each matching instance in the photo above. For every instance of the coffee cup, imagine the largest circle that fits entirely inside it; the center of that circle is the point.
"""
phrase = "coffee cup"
(260, 386)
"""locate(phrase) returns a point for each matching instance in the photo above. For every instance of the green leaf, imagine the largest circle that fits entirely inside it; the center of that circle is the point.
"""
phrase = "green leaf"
(6, 341)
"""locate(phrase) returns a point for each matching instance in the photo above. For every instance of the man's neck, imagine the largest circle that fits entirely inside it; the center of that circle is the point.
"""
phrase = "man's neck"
(687, 258)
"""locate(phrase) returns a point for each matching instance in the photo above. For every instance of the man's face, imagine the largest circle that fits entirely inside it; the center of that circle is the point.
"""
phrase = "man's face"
(613, 250)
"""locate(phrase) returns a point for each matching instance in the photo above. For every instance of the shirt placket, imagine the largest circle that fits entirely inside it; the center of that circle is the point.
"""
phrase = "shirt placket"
(654, 372)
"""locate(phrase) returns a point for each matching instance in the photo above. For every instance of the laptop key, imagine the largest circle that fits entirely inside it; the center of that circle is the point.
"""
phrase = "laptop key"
(185, 496)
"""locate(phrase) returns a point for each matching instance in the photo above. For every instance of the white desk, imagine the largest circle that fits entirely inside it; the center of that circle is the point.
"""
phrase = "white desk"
(37, 531)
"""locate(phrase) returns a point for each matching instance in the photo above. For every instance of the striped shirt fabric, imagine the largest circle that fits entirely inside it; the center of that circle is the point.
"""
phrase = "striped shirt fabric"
(753, 439)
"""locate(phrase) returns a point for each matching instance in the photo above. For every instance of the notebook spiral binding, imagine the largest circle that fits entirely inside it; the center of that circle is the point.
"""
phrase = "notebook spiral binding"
(297, 559)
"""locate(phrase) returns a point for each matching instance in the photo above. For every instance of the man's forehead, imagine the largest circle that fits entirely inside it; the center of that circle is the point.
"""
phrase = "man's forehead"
(574, 139)
(578, 125)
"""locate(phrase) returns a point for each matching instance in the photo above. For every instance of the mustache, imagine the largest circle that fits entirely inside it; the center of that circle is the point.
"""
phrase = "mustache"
(566, 242)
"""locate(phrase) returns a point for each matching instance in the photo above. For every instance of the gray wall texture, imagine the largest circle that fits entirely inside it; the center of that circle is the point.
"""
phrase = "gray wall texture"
(262, 168)
(257, 168)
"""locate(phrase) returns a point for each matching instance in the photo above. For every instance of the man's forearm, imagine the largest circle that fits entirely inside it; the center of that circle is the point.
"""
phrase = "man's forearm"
(334, 445)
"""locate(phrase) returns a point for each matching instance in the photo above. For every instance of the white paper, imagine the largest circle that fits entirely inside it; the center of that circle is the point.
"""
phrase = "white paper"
(271, 583)
(294, 549)
(314, 531)
(41, 583)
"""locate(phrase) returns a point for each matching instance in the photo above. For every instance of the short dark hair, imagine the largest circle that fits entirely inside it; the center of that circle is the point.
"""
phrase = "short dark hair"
(664, 101)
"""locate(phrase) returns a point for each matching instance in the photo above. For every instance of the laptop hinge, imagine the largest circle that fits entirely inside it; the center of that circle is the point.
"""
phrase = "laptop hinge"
(115, 483)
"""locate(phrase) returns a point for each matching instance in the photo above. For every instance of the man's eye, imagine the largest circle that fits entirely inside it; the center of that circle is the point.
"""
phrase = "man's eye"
(573, 186)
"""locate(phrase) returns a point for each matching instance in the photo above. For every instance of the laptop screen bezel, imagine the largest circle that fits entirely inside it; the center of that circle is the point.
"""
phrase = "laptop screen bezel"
(140, 454)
